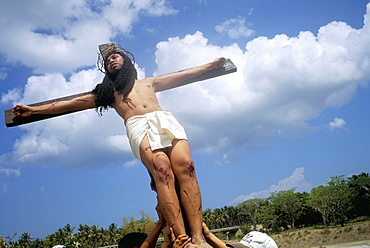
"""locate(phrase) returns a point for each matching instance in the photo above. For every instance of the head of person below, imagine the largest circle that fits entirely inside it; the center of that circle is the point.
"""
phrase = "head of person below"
(254, 239)
(132, 240)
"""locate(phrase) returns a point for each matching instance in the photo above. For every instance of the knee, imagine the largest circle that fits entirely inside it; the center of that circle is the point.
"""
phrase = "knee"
(184, 167)
(163, 172)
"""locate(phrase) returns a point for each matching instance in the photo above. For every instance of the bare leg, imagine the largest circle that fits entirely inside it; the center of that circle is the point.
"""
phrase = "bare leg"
(158, 164)
(183, 167)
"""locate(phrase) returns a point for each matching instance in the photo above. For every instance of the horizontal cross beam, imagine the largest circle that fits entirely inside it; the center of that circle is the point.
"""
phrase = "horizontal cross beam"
(11, 120)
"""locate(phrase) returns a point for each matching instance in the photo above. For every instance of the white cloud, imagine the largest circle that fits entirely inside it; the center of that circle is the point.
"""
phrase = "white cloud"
(158, 8)
(296, 180)
(12, 95)
(225, 160)
(131, 163)
(281, 83)
(235, 28)
(64, 40)
(10, 172)
(3, 73)
(337, 123)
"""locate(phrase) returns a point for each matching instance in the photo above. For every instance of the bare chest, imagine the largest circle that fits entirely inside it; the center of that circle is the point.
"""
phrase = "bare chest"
(141, 100)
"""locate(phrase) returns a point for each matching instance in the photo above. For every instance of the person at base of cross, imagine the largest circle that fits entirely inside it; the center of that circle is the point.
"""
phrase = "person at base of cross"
(142, 240)
(164, 150)
(252, 239)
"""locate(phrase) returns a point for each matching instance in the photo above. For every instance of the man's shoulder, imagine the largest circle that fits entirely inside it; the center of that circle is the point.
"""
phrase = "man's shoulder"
(145, 81)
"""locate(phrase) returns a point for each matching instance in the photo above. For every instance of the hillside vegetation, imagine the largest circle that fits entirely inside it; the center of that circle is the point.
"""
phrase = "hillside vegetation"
(310, 237)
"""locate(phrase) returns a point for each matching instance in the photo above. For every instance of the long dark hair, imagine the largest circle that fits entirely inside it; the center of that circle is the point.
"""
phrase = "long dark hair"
(122, 83)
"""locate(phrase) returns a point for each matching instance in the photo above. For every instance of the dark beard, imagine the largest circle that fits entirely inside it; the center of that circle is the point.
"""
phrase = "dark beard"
(115, 72)
(124, 78)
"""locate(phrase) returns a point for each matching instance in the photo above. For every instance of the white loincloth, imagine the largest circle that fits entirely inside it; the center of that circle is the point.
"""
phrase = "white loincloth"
(161, 128)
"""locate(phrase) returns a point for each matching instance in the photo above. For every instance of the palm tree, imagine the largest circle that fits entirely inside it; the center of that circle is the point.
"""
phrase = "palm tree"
(208, 218)
(68, 229)
(60, 236)
(96, 234)
(83, 235)
(37, 243)
(220, 217)
(112, 234)
(233, 217)
(11, 242)
(25, 240)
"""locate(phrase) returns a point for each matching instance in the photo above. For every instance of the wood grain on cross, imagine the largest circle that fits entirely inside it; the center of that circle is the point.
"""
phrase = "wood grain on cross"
(11, 120)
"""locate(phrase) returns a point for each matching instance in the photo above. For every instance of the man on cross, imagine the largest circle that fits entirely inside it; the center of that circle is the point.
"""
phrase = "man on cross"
(155, 136)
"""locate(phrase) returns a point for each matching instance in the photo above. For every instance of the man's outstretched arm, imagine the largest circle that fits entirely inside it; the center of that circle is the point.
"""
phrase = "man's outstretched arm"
(151, 240)
(174, 79)
(78, 103)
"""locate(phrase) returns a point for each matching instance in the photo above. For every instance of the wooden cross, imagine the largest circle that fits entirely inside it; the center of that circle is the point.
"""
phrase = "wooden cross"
(11, 120)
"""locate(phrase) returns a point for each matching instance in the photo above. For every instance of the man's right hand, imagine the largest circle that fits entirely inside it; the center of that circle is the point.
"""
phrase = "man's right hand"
(22, 110)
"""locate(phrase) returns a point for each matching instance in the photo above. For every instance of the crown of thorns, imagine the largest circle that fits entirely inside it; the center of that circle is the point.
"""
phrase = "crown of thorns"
(106, 50)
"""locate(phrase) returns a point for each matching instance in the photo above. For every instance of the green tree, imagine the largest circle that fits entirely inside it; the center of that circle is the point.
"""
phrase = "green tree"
(309, 215)
(233, 217)
(333, 201)
(96, 235)
(250, 211)
(146, 224)
(68, 230)
(130, 225)
(37, 243)
(83, 235)
(269, 216)
(320, 200)
(342, 202)
(208, 218)
(60, 236)
(220, 217)
(112, 233)
(25, 240)
(11, 239)
(288, 204)
(361, 186)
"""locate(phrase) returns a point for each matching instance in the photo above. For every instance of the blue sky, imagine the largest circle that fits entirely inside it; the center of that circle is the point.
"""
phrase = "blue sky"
(295, 113)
